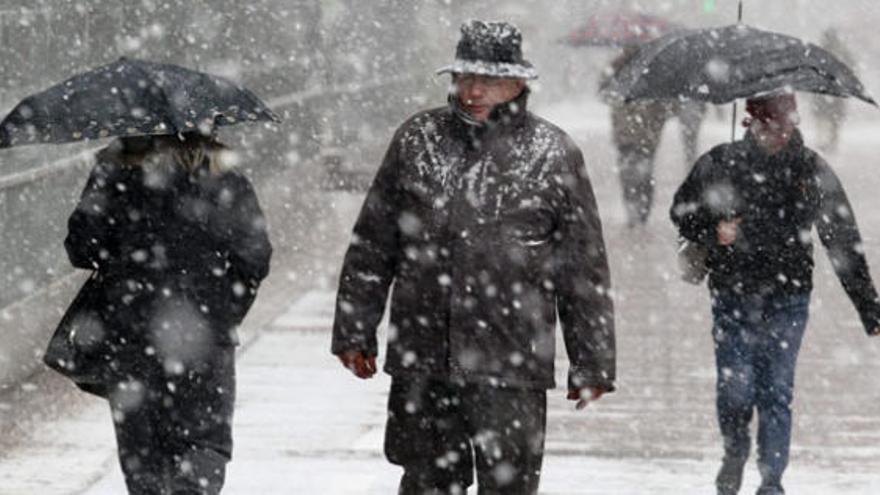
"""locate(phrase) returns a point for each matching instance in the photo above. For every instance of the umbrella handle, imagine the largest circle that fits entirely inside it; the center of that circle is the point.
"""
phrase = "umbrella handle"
(739, 18)
(733, 124)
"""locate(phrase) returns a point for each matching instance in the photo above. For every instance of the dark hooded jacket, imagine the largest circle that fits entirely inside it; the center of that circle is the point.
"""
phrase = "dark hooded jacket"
(177, 260)
(779, 198)
(487, 233)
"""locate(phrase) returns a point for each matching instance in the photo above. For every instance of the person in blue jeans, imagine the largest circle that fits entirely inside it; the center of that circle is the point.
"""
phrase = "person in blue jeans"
(751, 205)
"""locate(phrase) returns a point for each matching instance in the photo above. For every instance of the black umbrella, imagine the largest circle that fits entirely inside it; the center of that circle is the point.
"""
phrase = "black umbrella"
(719, 65)
(130, 98)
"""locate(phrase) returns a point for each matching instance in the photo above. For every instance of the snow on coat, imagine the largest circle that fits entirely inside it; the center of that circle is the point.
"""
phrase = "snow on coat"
(486, 233)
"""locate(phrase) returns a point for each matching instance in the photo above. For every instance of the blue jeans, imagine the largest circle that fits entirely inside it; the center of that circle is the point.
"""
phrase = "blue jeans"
(756, 347)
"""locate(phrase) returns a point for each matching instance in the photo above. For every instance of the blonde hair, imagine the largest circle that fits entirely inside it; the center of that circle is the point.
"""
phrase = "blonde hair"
(189, 152)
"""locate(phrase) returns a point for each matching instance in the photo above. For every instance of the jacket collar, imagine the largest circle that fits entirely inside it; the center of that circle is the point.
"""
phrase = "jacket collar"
(504, 116)
(793, 150)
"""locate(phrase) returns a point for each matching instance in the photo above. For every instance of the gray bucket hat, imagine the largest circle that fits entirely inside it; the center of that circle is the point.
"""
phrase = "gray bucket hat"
(491, 49)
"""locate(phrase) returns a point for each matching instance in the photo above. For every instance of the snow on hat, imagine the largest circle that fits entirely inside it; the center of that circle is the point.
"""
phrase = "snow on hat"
(772, 107)
(491, 49)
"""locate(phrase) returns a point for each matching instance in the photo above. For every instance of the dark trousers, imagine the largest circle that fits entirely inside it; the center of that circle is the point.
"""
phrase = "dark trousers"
(174, 431)
(439, 432)
(636, 168)
(756, 348)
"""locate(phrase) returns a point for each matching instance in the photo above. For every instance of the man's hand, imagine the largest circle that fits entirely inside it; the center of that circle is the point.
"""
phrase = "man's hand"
(360, 364)
(584, 396)
(727, 231)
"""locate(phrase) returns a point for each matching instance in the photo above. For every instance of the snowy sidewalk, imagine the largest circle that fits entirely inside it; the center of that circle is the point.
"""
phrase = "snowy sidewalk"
(304, 425)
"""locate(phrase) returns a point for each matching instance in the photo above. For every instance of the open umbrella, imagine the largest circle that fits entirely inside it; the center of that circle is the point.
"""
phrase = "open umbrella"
(720, 65)
(619, 29)
(130, 97)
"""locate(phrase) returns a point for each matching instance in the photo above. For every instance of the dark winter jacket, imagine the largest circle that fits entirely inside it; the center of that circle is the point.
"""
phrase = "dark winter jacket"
(178, 258)
(779, 199)
(486, 232)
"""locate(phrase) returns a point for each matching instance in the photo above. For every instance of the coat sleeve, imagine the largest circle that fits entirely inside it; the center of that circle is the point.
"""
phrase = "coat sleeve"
(583, 281)
(247, 240)
(91, 242)
(839, 234)
(689, 212)
(249, 247)
(370, 262)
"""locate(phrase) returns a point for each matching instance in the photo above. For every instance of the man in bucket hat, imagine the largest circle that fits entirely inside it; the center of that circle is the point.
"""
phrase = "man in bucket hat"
(483, 219)
(753, 204)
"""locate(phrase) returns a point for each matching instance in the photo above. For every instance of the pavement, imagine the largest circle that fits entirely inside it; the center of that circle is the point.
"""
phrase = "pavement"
(305, 425)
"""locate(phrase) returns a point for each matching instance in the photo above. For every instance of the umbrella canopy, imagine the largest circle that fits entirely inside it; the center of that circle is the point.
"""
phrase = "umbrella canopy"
(720, 65)
(129, 98)
(619, 29)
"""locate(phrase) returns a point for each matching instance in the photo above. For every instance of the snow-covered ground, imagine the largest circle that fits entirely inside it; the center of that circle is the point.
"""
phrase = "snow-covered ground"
(304, 425)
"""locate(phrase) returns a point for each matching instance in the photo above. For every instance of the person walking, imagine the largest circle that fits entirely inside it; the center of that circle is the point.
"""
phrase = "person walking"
(178, 246)
(636, 131)
(752, 204)
(483, 220)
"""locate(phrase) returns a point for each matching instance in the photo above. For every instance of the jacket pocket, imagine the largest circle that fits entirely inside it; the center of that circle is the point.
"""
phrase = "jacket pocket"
(527, 221)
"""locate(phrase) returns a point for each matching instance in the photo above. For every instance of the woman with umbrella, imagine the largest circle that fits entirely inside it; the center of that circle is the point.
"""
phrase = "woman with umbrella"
(177, 245)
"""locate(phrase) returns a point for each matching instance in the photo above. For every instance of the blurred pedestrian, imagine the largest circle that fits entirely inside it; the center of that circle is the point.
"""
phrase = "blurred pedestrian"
(830, 111)
(690, 115)
(636, 130)
(178, 247)
(753, 204)
(483, 220)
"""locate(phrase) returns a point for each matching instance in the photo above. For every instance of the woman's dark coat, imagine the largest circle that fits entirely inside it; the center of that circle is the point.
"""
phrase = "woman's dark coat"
(177, 260)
